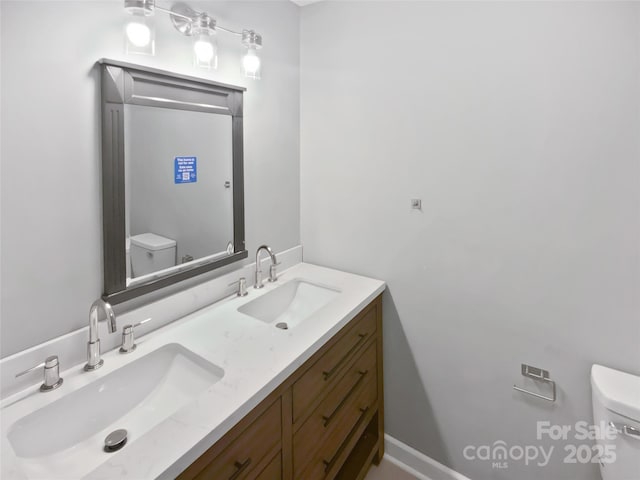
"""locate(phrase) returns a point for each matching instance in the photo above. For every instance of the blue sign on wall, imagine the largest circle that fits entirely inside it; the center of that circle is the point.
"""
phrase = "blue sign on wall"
(185, 170)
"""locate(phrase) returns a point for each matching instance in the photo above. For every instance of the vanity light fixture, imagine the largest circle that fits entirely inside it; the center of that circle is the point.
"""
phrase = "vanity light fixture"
(201, 26)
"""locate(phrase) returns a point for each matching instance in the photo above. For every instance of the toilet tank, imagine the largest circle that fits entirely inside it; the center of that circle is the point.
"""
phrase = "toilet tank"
(151, 253)
(616, 403)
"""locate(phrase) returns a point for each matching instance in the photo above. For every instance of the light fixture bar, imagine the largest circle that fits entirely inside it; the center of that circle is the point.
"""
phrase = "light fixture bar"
(173, 13)
(233, 32)
(199, 25)
(183, 12)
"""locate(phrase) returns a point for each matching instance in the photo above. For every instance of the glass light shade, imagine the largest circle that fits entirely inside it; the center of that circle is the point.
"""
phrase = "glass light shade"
(140, 34)
(205, 50)
(251, 64)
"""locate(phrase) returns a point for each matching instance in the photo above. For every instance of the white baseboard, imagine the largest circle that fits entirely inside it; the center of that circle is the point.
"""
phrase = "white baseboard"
(417, 463)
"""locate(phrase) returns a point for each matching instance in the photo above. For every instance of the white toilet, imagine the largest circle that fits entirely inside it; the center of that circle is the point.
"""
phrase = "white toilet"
(616, 403)
(150, 253)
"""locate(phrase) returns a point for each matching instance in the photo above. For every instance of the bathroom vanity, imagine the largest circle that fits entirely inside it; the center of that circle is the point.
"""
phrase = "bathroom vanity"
(220, 393)
(324, 421)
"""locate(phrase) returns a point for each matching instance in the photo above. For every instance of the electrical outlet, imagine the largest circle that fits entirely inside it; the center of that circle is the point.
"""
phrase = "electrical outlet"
(416, 203)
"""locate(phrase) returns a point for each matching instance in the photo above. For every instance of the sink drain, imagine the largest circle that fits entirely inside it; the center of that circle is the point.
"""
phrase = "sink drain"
(282, 325)
(115, 440)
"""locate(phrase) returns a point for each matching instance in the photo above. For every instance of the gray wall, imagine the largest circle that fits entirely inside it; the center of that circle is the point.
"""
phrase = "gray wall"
(517, 123)
(197, 215)
(51, 213)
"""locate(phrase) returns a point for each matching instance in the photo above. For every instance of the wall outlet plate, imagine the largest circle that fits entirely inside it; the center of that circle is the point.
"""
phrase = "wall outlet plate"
(416, 203)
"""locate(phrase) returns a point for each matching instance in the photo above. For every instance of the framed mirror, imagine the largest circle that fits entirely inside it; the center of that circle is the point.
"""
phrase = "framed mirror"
(172, 178)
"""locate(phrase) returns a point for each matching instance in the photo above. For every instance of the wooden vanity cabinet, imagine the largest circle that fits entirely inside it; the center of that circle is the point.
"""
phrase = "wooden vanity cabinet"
(326, 421)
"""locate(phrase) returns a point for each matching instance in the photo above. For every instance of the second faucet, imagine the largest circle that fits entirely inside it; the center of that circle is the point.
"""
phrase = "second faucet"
(273, 276)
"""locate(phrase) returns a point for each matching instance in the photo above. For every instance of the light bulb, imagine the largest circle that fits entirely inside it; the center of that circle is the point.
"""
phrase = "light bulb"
(205, 42)
(138, 34)
(251, 64)
(205, 51)
(251, 61)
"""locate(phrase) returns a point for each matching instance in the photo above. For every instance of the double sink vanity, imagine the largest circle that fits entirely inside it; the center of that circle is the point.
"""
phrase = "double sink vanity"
(222, 393)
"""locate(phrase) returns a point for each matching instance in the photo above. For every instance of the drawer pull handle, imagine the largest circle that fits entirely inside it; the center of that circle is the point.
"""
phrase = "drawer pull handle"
(327, 375)
(240, 467)
(327, 419)
(328, 464)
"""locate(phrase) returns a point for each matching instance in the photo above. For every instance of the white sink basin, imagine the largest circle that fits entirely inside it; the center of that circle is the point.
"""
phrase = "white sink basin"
(135, 397)
(290, 303)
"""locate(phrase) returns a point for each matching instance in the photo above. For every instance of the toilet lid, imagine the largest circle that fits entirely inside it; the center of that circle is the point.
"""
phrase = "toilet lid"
(151, 241)
(618, 391)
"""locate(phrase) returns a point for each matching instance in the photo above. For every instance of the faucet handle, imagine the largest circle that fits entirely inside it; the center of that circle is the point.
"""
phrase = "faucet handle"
(242, 287)
(52, 378)
(128, 339)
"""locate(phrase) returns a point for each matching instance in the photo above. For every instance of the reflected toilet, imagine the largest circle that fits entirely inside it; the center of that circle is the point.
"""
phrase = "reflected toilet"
(150, 253)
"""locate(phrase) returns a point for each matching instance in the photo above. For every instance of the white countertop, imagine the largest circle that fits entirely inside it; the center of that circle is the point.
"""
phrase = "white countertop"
(256, 358)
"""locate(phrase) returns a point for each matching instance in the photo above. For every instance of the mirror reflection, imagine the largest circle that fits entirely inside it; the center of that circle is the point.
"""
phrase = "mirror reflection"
(178, 189)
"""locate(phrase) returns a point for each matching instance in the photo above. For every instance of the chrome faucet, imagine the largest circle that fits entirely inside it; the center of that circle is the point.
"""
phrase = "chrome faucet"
(273, 276)
(93, 346)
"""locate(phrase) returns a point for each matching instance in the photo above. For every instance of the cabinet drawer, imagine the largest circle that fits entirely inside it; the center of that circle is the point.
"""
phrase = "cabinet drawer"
(321, 375)
(273, 471)
(315, 447)
(238, 460)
